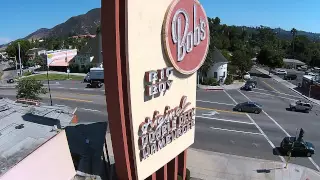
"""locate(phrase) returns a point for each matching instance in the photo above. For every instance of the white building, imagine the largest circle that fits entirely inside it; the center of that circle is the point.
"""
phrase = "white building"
(219, 68)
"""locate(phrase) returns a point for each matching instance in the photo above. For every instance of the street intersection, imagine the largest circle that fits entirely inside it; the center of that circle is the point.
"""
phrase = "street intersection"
(218, 127)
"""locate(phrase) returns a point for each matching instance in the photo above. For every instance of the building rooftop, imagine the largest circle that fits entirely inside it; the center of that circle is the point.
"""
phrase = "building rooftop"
(295, 61)
(218, 57)
(24, 128)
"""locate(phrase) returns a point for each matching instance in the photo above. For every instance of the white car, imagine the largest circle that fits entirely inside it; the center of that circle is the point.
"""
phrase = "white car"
(280, 72)
(311, 74)
(246, 76)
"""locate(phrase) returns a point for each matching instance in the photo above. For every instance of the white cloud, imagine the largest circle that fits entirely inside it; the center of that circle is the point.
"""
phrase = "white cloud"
(4, 40)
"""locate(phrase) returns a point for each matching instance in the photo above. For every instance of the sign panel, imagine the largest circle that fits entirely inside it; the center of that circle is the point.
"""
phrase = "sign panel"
(167, 43)
(186, 35)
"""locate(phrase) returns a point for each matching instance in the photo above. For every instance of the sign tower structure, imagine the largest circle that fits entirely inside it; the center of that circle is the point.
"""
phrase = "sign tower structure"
(154, 49)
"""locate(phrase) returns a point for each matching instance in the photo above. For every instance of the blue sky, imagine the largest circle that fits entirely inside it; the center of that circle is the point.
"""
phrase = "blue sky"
(18, 18)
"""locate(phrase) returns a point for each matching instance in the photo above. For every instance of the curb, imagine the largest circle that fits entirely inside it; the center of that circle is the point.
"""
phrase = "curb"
(214, 89)
(304, 96)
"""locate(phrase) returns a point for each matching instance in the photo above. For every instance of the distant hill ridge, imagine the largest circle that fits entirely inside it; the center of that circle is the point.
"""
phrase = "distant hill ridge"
(76, 25)
(87, 24)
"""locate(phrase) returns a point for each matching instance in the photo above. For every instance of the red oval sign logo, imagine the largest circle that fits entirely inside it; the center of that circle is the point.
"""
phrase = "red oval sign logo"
(186, 35)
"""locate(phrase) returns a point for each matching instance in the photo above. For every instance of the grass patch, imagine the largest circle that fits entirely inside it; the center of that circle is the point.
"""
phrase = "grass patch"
(27, 73)
(42, 77)
(1, 73)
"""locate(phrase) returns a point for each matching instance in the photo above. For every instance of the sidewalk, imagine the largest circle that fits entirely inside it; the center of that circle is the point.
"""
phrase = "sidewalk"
(287, 84)
(207, 165)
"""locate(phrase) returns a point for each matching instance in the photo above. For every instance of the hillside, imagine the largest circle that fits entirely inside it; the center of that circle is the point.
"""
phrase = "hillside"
(76, 25)
(87, 23)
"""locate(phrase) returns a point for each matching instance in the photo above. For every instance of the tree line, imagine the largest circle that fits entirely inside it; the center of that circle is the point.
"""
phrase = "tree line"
(268, 45)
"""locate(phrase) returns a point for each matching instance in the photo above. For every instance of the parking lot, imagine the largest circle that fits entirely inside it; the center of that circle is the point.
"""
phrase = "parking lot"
(221, 129)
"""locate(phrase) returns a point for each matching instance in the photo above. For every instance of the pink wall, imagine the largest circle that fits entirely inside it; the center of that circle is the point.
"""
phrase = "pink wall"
(51, 161)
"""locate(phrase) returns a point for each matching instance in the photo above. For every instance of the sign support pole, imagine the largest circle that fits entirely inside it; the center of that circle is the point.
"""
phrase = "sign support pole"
(113, 21)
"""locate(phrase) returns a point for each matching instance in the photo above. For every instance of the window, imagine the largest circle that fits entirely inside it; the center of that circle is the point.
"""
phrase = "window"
(224, 74)
(215, 74)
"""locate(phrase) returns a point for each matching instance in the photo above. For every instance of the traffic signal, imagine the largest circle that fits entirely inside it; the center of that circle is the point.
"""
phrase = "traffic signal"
(301, 133)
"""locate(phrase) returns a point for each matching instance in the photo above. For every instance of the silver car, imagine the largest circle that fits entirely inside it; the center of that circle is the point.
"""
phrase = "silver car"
(301, 106)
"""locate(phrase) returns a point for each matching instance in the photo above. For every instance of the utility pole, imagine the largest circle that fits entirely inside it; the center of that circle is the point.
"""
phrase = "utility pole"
(20, 60)
(49, 83)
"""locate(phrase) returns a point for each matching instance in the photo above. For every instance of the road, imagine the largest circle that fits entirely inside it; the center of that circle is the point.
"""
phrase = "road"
(218, 127)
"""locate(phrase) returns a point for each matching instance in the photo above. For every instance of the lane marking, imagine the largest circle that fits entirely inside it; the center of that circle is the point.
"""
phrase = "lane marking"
(271, 87)
(211, 102)
(226, 120)
(81, 94)
(278, 92)
(231, 130)
(259, 128)
(226, 111)
(273, 95)
(60, 87)
(287, 134)
(71, 99)
(93, 110)
(88, 89)
(73, 88)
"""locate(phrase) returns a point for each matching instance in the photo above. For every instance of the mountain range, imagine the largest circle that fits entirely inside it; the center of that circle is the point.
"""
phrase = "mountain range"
(76, 25)
(87, 24)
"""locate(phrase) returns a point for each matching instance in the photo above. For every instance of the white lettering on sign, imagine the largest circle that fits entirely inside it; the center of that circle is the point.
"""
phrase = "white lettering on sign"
(185, 41)
(161, 130)
(158, 81)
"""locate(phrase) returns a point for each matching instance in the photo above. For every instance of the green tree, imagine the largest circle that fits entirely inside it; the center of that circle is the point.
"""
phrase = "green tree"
(271, 58)
(13, 50)
(98, 29)
(39, 60)
(242, 61)
(30, 89)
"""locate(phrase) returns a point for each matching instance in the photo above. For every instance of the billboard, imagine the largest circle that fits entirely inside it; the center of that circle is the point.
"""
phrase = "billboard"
(60, 57)
(167, 43)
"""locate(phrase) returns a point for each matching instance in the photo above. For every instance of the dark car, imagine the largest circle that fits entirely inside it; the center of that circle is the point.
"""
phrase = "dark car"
(300, 146)
(250, 107)
(290, 77)
(248, 87)
(252, 82)
(10, 81)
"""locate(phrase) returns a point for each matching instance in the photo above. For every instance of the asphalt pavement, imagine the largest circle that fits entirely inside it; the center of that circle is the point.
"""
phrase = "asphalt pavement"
(254, 135)
(218, 127)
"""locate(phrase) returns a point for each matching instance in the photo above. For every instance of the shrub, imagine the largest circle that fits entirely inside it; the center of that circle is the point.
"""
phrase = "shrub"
(210, 81)
(229, 80)
(188, 176)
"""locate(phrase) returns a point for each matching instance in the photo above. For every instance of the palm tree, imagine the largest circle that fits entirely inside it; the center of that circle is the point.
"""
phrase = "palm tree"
(98, 29)
(294, 33)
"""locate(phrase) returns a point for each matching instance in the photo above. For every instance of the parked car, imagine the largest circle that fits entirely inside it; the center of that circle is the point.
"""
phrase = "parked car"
(246, 76)
(250, 107)
(301, 106)
(248, 87)
(280, 72)
(310, 74)
(253, 82)
(290, 77)
(300, 146)
(9, 81)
